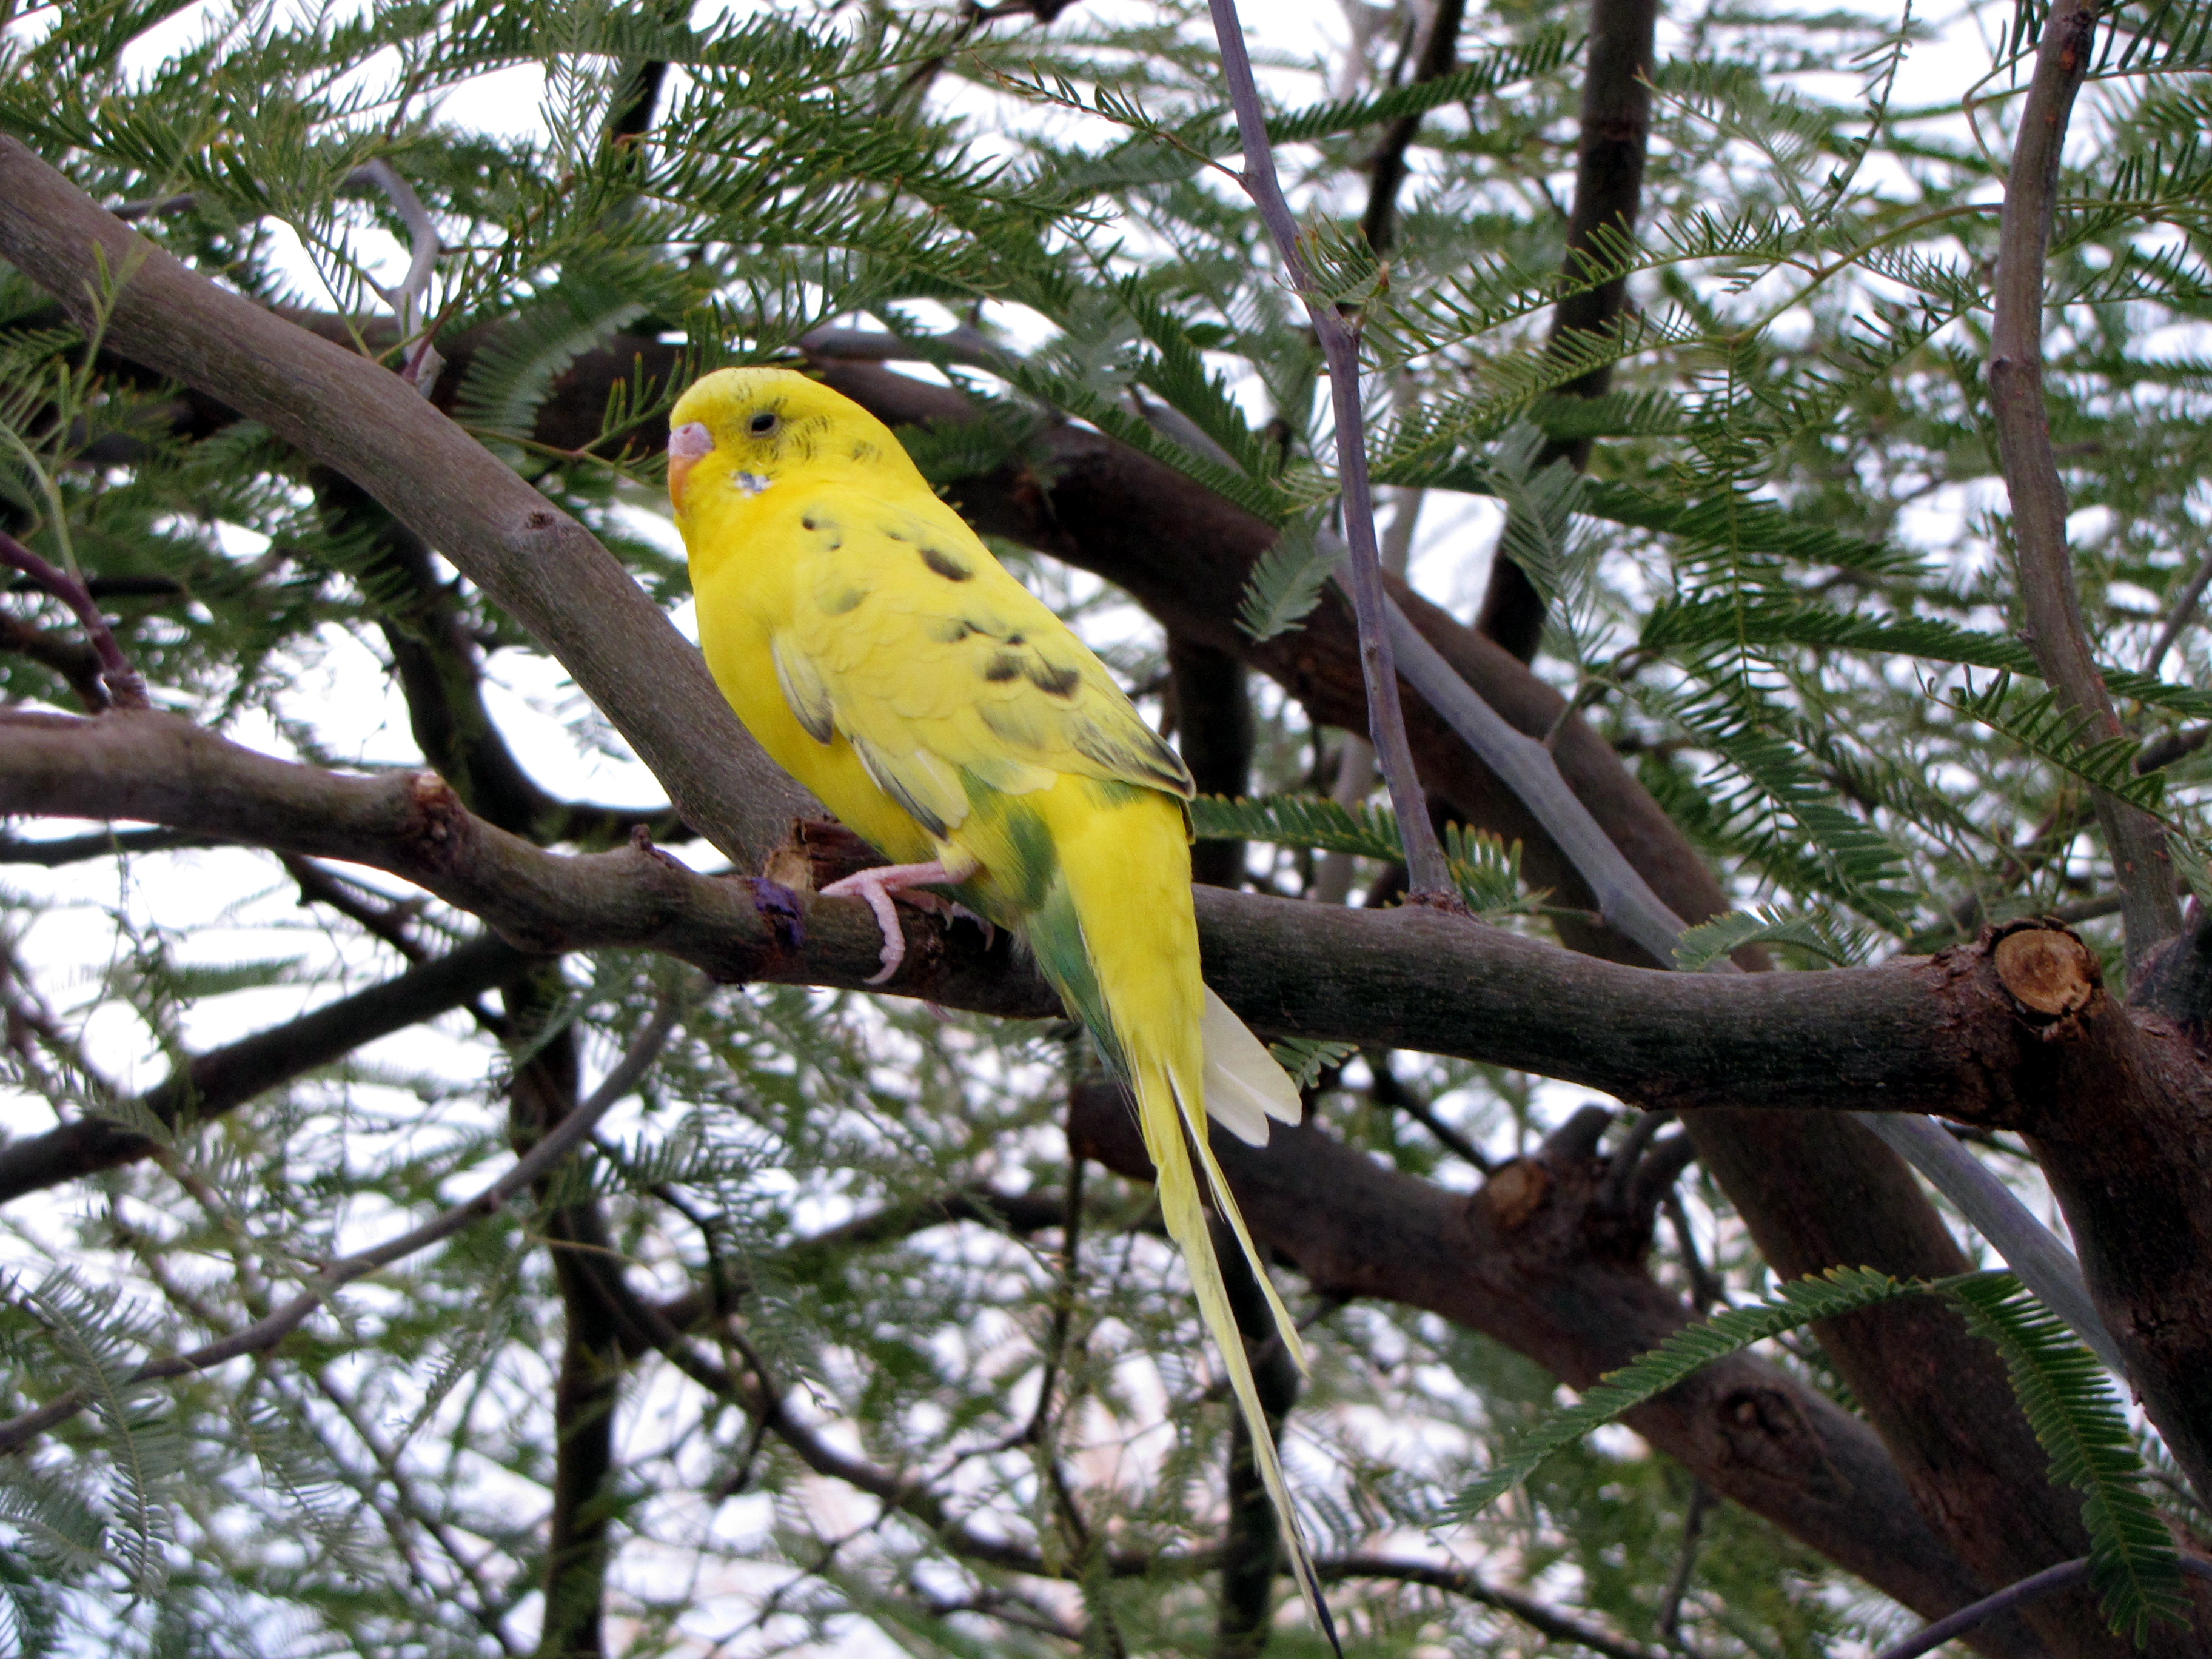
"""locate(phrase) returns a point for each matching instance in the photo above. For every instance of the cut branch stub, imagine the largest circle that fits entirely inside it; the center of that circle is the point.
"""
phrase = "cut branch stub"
(2049, 975)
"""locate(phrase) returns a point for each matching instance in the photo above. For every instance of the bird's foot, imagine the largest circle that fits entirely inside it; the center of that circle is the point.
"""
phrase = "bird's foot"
(878, 886)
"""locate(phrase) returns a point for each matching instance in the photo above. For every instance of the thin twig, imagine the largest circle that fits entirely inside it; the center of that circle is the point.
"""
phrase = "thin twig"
(1389, 1090)
(1704, 1289)
(265, 1334)
(406, 299)
(1454, 1581)
(125, 686)
(2184, 607)
(1669, 1621)
(388, 922)
(357, 182)
(1532, 772)
(1428, 875)
(100, 844)
(2034, 1587)
(2030, 1249)
(2050, 603)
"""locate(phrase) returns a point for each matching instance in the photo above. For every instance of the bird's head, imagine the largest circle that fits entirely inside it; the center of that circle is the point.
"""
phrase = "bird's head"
(744, 428)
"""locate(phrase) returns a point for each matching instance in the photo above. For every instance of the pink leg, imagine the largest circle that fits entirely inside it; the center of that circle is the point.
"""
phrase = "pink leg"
(876, 886)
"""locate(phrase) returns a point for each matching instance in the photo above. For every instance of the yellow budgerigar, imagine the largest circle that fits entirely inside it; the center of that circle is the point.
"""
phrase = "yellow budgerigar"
(880, 653)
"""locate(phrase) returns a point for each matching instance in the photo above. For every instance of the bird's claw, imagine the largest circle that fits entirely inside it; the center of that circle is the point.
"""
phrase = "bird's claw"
(877, 886)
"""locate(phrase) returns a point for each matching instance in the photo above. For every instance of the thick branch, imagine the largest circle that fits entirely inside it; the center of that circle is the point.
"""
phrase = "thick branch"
(2049, 601)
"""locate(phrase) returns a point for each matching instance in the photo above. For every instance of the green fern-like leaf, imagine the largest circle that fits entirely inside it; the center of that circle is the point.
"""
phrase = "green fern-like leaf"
(509, 378)
(1285, 583)
(1839, 1291)
(1179, 373)
(1486, 870)
(1312, 821)
(1490, 70)
(1255, 494)
(1679, 625)
(1755, 739)
(91, 1330)
(2076, 1415)
(2036, 723)
(1306, 1058)
(1816, 931)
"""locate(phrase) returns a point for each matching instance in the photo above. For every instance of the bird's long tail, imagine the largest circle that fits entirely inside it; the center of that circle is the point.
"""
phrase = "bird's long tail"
(1117, 936)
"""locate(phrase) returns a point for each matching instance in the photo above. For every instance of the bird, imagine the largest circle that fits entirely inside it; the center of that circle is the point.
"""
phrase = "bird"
(887, 660)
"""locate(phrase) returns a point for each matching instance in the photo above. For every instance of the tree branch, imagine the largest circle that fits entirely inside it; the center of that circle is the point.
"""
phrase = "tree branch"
(75, 662)
(2049, 601)
(1943, 1033)
(442, 679)
(1949, 1033)
(587, 1379)
(101, 843)
(2066, 1575)
(1457, 1581)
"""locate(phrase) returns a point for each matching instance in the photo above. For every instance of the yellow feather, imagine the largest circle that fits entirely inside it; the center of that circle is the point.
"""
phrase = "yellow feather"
(880, 654)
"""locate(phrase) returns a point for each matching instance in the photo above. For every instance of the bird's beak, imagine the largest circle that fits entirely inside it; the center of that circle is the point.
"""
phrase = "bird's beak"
(687, 445)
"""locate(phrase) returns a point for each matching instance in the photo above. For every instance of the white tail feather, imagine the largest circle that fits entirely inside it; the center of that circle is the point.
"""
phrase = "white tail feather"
(1244, 1086)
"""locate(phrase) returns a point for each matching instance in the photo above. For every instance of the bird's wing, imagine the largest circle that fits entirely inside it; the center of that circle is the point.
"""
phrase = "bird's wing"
(910, 639)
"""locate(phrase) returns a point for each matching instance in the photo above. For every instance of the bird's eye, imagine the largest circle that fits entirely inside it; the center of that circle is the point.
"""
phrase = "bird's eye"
(763, 423)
